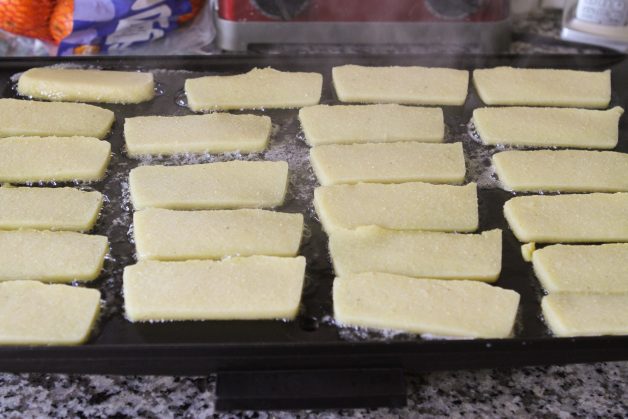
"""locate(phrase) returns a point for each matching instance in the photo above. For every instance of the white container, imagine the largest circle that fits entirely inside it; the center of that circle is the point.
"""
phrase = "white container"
(597, 22)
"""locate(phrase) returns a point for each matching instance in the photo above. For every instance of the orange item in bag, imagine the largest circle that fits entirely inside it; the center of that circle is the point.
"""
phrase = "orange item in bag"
(27, 17)
(61, 20)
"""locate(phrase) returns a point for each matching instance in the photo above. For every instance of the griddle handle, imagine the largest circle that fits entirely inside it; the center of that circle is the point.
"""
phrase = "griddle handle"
(310, 389)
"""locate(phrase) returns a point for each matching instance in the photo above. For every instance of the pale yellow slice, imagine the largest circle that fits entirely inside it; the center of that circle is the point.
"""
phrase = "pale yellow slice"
(549, 127)
(259, 88)
(585, 218)
(407, 85)
(417, 254)
(388, 163)
(543, 87)
(602, 268)
(563, 170)
(32, 313)
(256, 287)
(30, 118)
(48, 159)
(381, 123)
(60, 256)
(527, 250)
(78, 85)
(430, 306)
(179, 235)
(224, 185)
(576, 314)
(49, 208)
(405, 206)
(213, 133)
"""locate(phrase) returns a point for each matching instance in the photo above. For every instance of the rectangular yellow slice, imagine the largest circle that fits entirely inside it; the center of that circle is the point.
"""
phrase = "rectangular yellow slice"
(406, 85)
(380, 123)
(562, 170)
(60, 256)
(48, 159)
(602, 268)
(575, 314)
(404, 206)
(549, 127)
(24, 118)
(388, 163)
(417, 253)
(213, 133)
(259, 88)
(256, 287)
(179, 235)
(224, 185)
(79, 85)
(49, 208)
(584, 218)
(430, 306)
(32, 313)
(543, 87)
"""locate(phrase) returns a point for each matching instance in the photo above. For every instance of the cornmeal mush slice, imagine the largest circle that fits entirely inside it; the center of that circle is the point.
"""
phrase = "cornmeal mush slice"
(180, 235)
(255, 287)
(602, 268)
(60, 256)
(32, 313)
(406, 85)
(380, 123)
(595, 217)
(417, 253)
(30, 118)
(548, 127)
(259, 88)
(80, 85)
(444, 308)
(49, 208)
(577, 314)
(224, 185)
(388, 163)
(563, 170)
(48, 159)
(213, 133)
(405, 206)
(543, 87)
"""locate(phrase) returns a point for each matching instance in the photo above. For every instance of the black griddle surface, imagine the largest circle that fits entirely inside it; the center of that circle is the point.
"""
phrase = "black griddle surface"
(313, 340)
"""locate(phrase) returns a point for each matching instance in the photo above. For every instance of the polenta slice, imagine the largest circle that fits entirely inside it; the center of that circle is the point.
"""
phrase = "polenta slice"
(223, 185)
(430, 306)
(256, 287)
(60, 256)
(32, 313)
(26, 118)
(543, 87)
(53, 159)
(259, 88)
(49, 208)
(417, 253)
(86, 85)
(180, 235)
(410, 85)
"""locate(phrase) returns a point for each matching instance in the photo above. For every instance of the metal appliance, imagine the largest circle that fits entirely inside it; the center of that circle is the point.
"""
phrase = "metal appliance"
(480, 25)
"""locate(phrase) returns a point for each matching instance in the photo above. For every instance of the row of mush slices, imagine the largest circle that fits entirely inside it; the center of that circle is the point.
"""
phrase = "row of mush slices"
(391, 202)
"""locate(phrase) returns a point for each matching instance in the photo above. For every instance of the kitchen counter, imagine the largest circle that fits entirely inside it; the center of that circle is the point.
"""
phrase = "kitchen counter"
(556, 391)
(598, 390)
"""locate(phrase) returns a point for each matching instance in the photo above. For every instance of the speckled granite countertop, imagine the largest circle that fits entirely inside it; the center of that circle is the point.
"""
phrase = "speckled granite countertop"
(596, 390)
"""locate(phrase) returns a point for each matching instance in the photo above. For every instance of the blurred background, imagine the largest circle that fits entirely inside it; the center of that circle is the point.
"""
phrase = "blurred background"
(157, 27)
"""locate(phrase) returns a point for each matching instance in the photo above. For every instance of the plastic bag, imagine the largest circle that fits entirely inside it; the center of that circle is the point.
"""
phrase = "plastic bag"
(99, 26)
